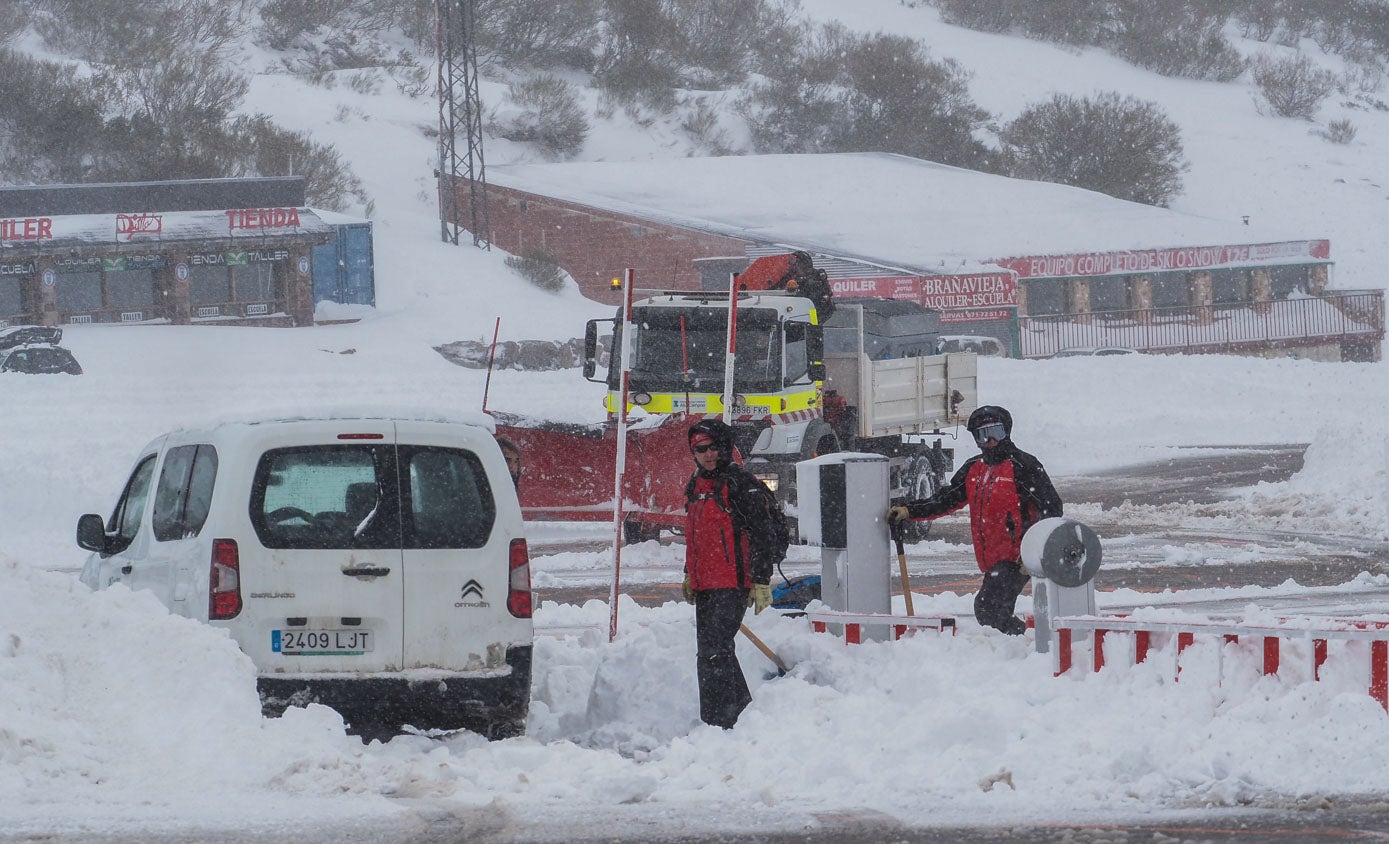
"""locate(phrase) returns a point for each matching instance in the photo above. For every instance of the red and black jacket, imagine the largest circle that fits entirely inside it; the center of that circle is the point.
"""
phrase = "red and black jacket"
(724, 525)
(1007, 493)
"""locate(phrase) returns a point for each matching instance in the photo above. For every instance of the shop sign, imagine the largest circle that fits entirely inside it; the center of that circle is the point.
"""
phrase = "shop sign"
(238, 257)
(77, 265)
(1165, 260)
(26, 228)
(118, 263)
(20, 268)
(988, 315)
(130, 225)
(262, 218)
(943, 292)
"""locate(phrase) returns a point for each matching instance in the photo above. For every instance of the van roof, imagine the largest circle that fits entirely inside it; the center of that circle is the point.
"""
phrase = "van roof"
(346, 413)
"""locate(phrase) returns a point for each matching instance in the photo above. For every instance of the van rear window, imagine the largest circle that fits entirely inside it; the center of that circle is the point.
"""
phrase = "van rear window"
(449, 502)
(372, 496)
(339, 496)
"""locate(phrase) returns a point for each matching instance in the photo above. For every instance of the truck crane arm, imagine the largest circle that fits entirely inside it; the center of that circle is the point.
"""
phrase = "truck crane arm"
(793, 272)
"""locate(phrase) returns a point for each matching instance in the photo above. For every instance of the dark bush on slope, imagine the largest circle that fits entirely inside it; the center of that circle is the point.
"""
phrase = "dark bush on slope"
(845, 93)
(1120, 146)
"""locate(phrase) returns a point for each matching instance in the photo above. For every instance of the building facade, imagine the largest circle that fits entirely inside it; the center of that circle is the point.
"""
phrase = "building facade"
(222, 251)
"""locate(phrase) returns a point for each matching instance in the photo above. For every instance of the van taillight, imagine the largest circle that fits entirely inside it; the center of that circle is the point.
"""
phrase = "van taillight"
(518, 596)
(224, 583)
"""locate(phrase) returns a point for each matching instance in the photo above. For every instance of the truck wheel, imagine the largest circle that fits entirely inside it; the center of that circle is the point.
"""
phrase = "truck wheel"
(635, 531)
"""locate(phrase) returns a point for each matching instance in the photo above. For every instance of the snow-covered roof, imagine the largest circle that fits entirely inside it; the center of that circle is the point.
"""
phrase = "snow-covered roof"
(880, 208)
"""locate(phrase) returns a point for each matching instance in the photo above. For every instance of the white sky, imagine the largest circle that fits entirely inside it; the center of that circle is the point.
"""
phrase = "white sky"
(117, 717)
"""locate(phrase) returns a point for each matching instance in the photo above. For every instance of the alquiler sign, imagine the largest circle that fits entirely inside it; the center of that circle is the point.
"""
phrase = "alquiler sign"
(940, 292)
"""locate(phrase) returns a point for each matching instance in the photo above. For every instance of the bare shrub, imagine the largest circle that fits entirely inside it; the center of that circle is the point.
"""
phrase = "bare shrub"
(548, 115)
(264, 149)
(540, 268)
(701, 125)
(845, 93)
(1062, 21)
(1339, 131)
(1120, 146)
(536, 33)
(1175, 39)
(638, 60)
(286, 21)
(14, 17)
(1293, 86)
(117, 32)
(48, 115)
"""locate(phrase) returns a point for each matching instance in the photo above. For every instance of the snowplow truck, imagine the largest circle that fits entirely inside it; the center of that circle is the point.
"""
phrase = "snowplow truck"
(812, 375)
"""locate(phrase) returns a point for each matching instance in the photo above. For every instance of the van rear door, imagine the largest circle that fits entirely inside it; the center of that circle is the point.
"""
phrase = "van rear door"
(459, 515)
(325, 586)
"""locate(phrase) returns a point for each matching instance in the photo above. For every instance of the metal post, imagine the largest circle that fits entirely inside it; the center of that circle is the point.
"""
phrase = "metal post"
(620, 467)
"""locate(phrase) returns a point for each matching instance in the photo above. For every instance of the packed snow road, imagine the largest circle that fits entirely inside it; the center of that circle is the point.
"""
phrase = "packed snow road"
(1150, 517)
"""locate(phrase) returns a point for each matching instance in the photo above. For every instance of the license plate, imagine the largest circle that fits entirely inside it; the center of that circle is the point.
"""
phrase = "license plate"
(307, 642)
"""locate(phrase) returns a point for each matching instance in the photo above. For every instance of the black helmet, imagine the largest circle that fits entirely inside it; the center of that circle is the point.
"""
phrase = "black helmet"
(718, 431)
(990, 413)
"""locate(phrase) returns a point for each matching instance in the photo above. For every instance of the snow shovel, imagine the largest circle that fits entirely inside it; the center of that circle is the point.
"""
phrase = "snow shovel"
(768, 652)
(902, 564)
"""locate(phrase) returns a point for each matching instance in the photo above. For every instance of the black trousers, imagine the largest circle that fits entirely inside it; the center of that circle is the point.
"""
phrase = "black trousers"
(993, 606)
(723, 693)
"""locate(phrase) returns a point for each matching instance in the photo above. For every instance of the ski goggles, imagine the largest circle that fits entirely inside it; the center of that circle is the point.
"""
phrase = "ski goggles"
(992, 431)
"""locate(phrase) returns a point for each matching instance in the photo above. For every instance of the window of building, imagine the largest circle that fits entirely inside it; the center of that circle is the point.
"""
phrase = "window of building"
(1289, 278)
(209, 285)
(1229, 286)
(1046, 298)
(1109, 293)
(130, 288)
(255, 282)
(11, 297)
(78, 291)
(1171, 290)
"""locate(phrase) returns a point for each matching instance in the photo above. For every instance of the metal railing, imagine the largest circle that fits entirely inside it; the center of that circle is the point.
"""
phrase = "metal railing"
(1333, 317)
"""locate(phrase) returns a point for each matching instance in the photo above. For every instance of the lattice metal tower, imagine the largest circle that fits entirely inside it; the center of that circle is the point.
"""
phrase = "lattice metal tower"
(460, 112)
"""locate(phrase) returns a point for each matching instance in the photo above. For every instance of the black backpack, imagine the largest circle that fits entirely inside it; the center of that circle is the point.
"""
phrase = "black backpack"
(773, 535)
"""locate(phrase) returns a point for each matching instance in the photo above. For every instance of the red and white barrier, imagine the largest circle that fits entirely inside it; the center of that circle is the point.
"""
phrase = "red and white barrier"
(853, 623)
(1317, 630)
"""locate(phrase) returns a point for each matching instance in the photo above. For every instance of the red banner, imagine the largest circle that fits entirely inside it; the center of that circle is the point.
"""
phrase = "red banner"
(940, 292)
(1163, 260)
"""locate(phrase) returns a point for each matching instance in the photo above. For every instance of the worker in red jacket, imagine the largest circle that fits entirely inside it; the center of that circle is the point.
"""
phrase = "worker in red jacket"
(728, 565)
(1007, 491)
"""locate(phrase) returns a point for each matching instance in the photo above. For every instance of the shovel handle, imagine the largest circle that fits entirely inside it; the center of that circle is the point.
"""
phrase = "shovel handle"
(762, 646)
(896, 530)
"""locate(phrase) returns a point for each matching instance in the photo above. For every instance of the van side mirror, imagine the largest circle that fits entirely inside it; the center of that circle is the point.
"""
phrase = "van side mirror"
(91, 533)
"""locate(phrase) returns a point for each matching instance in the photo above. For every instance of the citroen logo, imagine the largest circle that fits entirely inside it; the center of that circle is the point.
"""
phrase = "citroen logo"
(472, 587)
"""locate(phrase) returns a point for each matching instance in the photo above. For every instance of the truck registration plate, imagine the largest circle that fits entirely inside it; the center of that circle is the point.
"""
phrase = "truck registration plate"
(308, 642)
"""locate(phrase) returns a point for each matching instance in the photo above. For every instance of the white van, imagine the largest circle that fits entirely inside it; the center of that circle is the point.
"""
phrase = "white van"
(376, 566)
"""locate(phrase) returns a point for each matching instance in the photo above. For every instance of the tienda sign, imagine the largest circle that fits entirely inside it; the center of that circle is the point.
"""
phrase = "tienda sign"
(26, 228)
(1163, 260)
(940, 292)
(263, 218)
